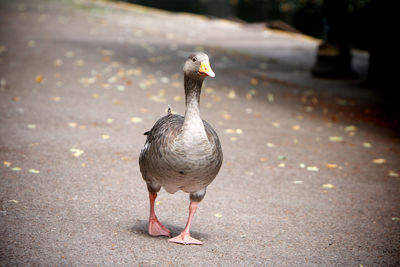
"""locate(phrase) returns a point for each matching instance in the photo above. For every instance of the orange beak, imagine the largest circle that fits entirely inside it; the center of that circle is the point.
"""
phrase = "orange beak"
(205, 69)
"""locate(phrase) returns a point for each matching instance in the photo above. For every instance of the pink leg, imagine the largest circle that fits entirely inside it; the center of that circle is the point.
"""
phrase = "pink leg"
(155, 227)
(184, 237)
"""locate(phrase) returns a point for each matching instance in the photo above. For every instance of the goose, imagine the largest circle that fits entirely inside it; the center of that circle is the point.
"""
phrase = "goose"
(182, 152)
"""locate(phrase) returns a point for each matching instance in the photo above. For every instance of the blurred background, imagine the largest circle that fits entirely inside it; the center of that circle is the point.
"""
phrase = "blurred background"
(305, 16)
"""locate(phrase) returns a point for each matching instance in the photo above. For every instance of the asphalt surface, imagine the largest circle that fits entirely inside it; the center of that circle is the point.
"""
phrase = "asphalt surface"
(311, 169)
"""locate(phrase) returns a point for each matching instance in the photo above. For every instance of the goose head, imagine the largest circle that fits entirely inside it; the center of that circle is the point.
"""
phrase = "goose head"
(197, 66)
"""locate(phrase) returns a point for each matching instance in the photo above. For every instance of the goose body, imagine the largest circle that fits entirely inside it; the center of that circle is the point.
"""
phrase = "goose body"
(180, 160)
(182, 152)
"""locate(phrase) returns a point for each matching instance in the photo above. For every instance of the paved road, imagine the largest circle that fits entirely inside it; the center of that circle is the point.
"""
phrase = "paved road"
(311, 170)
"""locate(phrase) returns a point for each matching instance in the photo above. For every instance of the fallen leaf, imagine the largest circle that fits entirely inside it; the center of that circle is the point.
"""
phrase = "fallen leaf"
(83, 164)
(331, 166)
(302, 165)
(276, 124)
(31, 43)
(164, 79)
(31, 126)
(72, 124)
(270, 145)
(281, 165)
(39, 78)
(262, 159)
(76, 152)
(393, 174)
(227, 116)
(7, 163)
(270, 98)
(143, 110)
(105, 136)
(328, 186)
(312, 168)
(177, 98)
(233, 138)
(350, 128)
(281, 157)
(230, 131)
(79, 62)
(296, 127)
(366, 145)
(379, 161)
(297, 182)
(58, 62)
(218, 215)
(395, 219)
(109, 120)
(69, 54)
(33, 171)
(336, 138)
(136, 119)
(254, 81)
(231, 94)
(16, 169)
(13, 201)
(158, 99)
(56, 98)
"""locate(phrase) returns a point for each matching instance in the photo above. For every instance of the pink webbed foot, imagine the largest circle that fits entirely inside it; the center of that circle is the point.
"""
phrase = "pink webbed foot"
(157, 229)
(185, 239)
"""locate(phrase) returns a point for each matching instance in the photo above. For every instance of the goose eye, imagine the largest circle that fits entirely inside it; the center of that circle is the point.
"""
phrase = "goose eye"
(194, 59)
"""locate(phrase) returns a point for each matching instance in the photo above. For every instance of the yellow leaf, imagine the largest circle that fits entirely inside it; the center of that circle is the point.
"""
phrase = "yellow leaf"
(336, 138)
(270, 98)
(34, 171)
(76, 152)
(254, 81)
(350, 128)
(393, 174)
(296, 127)
(218, 215)
(331, 166)
(7, 163)
(231, 94)
(105, 136)
(230, 131)
(39, 78)
(56, 98)
(379, 161)
(227, 116)
(366, 145)
(136, 119)
(312, 168)
(328, 186)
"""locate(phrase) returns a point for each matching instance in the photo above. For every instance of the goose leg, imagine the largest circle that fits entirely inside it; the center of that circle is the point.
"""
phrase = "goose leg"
(184, 237)
(155, 227)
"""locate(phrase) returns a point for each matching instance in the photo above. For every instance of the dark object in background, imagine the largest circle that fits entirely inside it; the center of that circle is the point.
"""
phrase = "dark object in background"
(334, 55)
